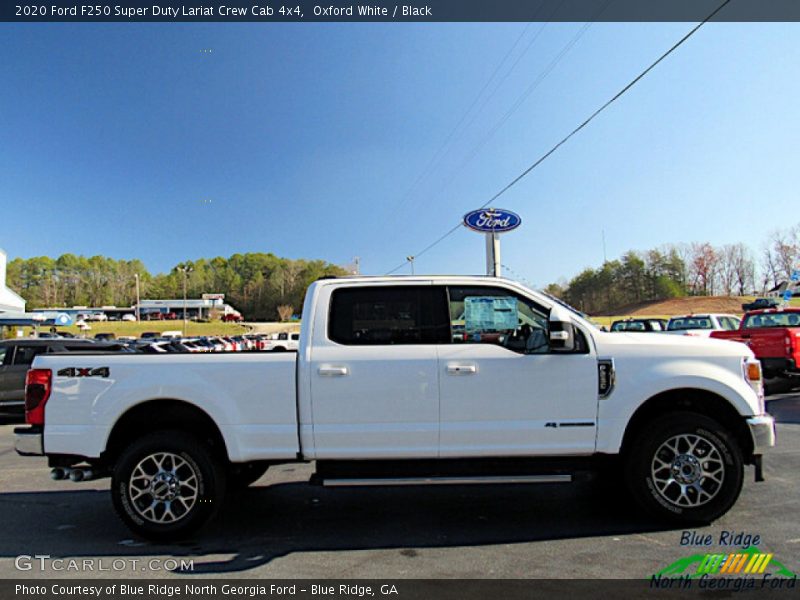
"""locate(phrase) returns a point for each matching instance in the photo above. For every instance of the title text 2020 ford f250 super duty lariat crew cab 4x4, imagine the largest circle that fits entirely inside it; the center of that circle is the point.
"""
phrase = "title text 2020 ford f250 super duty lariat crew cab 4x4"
(402, 381)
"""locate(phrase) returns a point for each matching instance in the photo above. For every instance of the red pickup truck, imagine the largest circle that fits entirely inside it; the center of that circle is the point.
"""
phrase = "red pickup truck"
(774, 337)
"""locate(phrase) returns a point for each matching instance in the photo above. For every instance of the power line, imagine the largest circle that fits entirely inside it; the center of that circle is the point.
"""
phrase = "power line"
(461, 127)
(519, 102)
(565, 139)
(436, 156)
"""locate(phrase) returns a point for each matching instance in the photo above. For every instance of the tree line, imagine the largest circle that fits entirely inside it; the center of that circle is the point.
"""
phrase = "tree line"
(676, 270)
(256, 284)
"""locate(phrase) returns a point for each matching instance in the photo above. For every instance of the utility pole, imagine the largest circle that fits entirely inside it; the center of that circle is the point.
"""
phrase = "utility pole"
(186, 270)
(410, 259)
(136, 276)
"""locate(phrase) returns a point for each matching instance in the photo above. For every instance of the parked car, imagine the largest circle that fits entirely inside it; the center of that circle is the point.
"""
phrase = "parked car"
(129, 318)
(170, 316)
(16, 357)
(381, 393)
(150, 335)
(760, 303)
(702, 325)
(232, 318)
(283, 342)
(104, 337)
(774, 337)
(97, 317)
(639, 325)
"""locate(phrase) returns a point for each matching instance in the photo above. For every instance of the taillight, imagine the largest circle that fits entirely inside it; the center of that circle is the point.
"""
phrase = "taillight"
(38, 383)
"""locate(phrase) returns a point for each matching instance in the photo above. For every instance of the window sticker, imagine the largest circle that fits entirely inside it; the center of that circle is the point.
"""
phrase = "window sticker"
(490, 313)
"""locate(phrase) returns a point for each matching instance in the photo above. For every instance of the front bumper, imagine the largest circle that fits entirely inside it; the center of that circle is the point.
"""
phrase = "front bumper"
(762, 430)
(29, 441)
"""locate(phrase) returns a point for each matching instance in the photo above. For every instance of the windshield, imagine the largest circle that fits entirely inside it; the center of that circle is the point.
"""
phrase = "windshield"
(780, 319)
(684, 323)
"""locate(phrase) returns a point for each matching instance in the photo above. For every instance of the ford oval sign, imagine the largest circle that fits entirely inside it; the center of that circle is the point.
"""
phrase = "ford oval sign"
(492, 220)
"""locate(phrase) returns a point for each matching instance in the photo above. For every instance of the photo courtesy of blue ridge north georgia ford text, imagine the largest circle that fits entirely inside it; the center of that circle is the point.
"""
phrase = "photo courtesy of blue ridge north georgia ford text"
(442, 299)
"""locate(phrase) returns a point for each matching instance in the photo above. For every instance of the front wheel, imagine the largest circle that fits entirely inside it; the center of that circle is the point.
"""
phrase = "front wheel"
(685, 467)
(167, 484)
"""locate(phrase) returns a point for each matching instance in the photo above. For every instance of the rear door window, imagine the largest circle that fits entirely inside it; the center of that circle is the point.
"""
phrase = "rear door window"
(25, 354)
(389, 315)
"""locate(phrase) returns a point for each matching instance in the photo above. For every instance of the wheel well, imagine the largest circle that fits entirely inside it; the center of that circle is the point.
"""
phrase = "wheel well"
(157, 415)
(693, 400)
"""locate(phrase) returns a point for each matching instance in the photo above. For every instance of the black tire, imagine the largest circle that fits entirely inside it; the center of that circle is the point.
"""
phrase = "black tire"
(242, 476)
(681, 483)
(193, 464)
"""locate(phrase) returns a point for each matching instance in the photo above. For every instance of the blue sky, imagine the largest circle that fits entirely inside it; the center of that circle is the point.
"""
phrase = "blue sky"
(304, 140)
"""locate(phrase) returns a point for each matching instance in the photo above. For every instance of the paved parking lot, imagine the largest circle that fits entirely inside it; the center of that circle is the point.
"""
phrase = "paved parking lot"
(284, 528)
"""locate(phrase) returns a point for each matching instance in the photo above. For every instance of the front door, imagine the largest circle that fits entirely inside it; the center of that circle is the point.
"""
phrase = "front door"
(374, 376)
(503, 392)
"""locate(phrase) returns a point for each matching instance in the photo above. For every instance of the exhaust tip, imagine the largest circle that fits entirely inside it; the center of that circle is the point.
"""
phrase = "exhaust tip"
(58, 474)
(76, 475)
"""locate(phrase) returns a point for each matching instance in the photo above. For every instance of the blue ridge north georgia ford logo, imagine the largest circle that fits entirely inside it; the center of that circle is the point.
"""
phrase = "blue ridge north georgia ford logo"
(492, 220)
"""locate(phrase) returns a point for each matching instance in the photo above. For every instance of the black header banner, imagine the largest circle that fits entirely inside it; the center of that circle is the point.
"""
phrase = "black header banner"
(423, 11)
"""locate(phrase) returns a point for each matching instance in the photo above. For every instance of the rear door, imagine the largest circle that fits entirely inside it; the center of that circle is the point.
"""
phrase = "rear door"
(374, 373)
(12, 379)
(6, 355)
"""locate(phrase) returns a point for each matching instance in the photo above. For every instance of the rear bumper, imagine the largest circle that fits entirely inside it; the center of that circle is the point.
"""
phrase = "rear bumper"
(12, 408)
(779, 365)
(762, 430)
(29, 441)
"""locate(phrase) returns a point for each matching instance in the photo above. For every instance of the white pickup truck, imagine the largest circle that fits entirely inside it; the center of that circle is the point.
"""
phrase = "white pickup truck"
(406, 381)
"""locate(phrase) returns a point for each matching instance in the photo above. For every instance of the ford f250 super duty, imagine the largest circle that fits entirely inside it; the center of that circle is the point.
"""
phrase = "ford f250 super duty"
(406, 381)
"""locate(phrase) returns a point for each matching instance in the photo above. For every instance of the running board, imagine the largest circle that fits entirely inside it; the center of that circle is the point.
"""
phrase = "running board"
(392, 481)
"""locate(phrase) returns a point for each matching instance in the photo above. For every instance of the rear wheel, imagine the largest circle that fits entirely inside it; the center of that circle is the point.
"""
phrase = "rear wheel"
(167, 484)
(685, 467)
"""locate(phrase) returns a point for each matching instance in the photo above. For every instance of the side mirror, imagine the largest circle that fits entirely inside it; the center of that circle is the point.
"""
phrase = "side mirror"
(562, 331)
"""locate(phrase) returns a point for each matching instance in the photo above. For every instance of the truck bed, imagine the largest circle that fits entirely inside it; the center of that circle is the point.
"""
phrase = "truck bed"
(252, 398)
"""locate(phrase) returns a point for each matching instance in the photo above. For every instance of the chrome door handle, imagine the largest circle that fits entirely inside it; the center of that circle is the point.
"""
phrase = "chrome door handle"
(333, 371)
(462, 369)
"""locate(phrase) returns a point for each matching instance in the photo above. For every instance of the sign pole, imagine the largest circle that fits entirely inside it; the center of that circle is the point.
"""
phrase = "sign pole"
(493, 266)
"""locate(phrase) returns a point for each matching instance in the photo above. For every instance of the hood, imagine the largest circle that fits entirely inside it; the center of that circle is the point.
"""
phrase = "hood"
(660, 344)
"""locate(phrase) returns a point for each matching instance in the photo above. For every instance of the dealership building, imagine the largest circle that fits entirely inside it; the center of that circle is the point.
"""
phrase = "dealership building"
(201, 308)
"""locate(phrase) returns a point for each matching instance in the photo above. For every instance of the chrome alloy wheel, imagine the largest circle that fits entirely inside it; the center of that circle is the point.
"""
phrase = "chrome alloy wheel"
(688, 470)
(163, 487)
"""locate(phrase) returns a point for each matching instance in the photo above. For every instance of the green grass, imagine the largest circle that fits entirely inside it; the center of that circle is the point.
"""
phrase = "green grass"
(124, 328)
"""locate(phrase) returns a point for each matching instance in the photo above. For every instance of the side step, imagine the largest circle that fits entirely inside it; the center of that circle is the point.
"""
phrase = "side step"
(467, 480)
